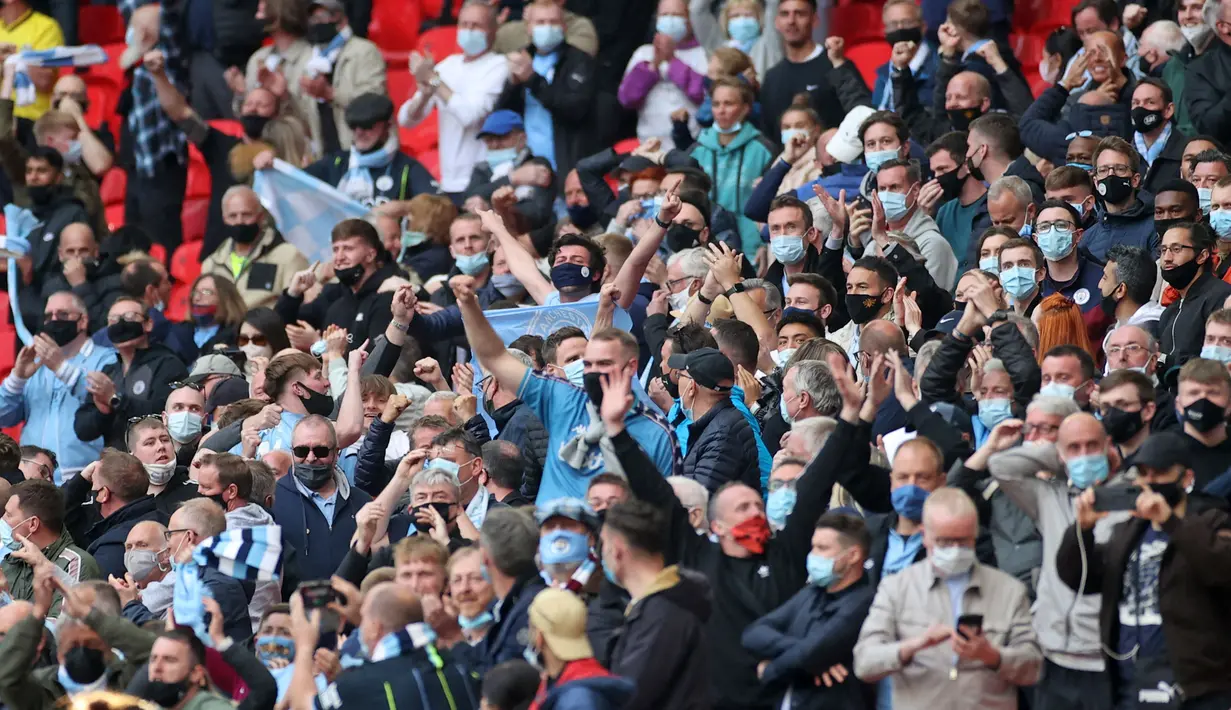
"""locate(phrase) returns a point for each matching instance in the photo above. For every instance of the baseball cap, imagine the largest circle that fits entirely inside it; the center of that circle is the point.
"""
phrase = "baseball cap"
(571, 508)
(561, 617)
(845, 145)
(1162, 451)
(501, 123)
(330, 5)
(708, 367)
(210, 365)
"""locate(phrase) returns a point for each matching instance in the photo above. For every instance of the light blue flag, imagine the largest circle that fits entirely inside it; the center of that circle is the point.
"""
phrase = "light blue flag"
(304, 208)
(18, 223)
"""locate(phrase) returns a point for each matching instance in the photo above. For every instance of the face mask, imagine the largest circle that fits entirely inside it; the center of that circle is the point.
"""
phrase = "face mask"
(789, 133)
(444, 464)
(508, 286)
(350, 277)
(72, 154)
(1144, 120)
(582, 215)
(1220, 222)
(1058, 389)
(905, 34)
(960, 118)
(274, 648)
(994, 411)
(592, 382)
(39, 194)
(672, 388)
(1162, 225)
(160, 473)
(1115, 189)
(1194, 33)
(472, 42)
(1085, 471)
(254, 351)
(167, 695)
(204, 315)
(441, 508)
(1216, 352)
(72, 686)
(6, 537)
(952, 561)
(62, 332)
(781, 357)
(500, 156)
(471, 623)
(894, 204)
(1179, 277)
(752, 534)
(1018, 281)
(975, 172)
(1055, 243)
(412, 239)
(321, 33)
(531, 656)
(1203, 415)
(787, 249)
(316, 402)
(877, 158)
(141, 564)
(990, 264)
(908, 501)
(1109, 303)
(950, 185)
(779, 505)
(673, 26)
(744, 29)
(1080, 207)
(862, 307)
(547, 37)
(563, 547)
(313, 475)
(681, 237)
(821, 570)
(125, 331)
(679, 301)
(471, 264)
(1171, 492)
(244, 233)
(1204, 196)
(575, 371)
(571, 276)
(735, 128)
(1121, 425)
(184, 426)
(253, 125)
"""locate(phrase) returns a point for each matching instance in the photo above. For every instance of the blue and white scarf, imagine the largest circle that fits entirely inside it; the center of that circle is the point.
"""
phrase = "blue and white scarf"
(19, 222)
(249, 554)
(322, 60)
(357, 182)
(403, 641)
(1152, 153)
(24, 90)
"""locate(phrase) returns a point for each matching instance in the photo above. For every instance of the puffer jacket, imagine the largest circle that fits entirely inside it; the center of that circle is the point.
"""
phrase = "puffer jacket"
(72, 560)
(733, 168)
(267, 272)
(722, 448)
(1133, 227)
(518, 424)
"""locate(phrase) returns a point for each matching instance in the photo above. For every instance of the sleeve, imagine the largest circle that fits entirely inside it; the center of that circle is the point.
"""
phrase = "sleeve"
(540, 393)
(370, 469)
(590, 171)
(471, 104)
(908, 105)
(939, 380)
(852, 90)
(1012, 349)
(262, 688)
(705, 25)
(638, 80)
(13, 400)
(12, 155)
(681, 136)
(655, 329)
(1042, 129)
(138, 613)
(582, 34)
(765, 638)
(1021, 659)
(823, 647)
(1016, 471)
(877, 650)
(689, 80)
(122, 635)
(287, 307)
(1017, 95)
(18, 653)
(570, 94)
(931, 425)
(89, 423)
(649, 486)
(757, 206)
(1205, 541)
(946, 69)
(1072, 564)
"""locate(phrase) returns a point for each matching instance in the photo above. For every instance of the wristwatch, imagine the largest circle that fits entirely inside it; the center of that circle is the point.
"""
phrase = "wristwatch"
(707, 301)
(737, 288)
(114, 401)
(659, 222)
(434, 82)
(404, 327)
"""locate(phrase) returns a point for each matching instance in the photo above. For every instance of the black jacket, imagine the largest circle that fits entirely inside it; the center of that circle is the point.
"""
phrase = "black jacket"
(1205, 90)
(1193, 587)
(409, 177)
(178, 490)
(1057, 113)
(364, 313)
(1166, 166)
(604, 619)
(1182, 324)
(939, 380)
(60, 211)
(143, 390)
(518, 424)
(722, 448)
(661, 646)
(107, 536)
(422, 679)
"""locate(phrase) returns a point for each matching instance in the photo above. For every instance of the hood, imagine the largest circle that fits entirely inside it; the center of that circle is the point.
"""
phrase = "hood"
(685, 589)
(746, 135)
(249, 516)
(370, 286)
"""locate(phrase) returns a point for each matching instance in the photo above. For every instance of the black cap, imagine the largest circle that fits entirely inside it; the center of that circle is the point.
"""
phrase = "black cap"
(708, 367)
(227, 392)
(636, 163)
(367, 110)
(1164, 450)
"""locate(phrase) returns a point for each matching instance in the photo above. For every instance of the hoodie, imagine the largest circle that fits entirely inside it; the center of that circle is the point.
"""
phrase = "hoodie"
(733, 169)
(1133, 227)
(267, 593)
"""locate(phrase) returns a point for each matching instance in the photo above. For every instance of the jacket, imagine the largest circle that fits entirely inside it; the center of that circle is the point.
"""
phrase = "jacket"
(722, 448)
(661, 647)
(232, 596)
(924, 80)
(655, 94)
(926, 117)
(1175, 72)
(517, 424)
(733, 168)
(178, 490)
(142, 390)
(63, 208)
(75, 562)
(1133, 227)
(910, 601)
(1045, 124)
(303, 524)
(1166, 166)
(813, 631)
(605, 618)
(879, 528)
(583, 685)
(364, 313)
(1205, 91)
(267, 271)
(108, 535)
(265, 594)
(939, 381)
(938, 256)
(1193, 585)
(425, 678)
(1182, 324)
(506, 638)
(47, 406)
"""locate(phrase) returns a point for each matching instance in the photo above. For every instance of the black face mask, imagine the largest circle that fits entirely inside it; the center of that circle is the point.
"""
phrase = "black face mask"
(1171, 492)
(906, 34)
(317, 403)
(84, 664)
(62, 332)
(40, 194)
(1109, 303)
(1115, 189)
(1204, 415)
(166, 695)
(321, 33)
(244, 233)
(313, 475)
(1144, 120)
(681, 237)
(1179, 277)
(862, 307)
(583, 216)
(960, 118)
(975, 173)
(950, 184)
(830, 170)
(1121, 425)
(593, 384)
(253, 125)
(217, 498)
(349, 277)
(441, 508)
(672, 388)
(125, 331)
(1162, 225)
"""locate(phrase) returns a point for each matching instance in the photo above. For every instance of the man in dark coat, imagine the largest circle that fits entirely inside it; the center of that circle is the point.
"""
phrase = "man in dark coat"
(118, 483)
(722, 445)
(1208, 76)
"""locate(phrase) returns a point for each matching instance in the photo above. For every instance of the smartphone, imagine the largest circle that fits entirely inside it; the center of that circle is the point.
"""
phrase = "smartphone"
(863, 203)
(1113, 498)
(317, 593)
(973, 622)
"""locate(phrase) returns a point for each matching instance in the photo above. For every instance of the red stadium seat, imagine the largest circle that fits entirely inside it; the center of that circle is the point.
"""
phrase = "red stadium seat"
(186, 262)
(1028, 48)
(230, 128)
(177, 303)
(100, 24)
(395, 29)
(115, 216)
(114, 187)
(868, 56)
(859, 22)
(420, 138)
(158, 252)
(627, 145)
(431, 161)
(198, 177)
(440, 42)
(194, 218)
(103, 91)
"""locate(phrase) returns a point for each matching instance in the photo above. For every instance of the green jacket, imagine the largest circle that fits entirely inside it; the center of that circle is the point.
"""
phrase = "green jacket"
(76, 563)
(23, 689)
(1173, 73)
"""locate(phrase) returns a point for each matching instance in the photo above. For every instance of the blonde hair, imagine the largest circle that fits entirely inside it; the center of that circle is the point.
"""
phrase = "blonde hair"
(432, 215)
(758, 11)
(731, 61)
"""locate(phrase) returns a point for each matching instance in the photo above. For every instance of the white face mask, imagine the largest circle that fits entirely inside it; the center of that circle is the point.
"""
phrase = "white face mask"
(679, 301)
(953, 560)
(254, 351)
(160, 473)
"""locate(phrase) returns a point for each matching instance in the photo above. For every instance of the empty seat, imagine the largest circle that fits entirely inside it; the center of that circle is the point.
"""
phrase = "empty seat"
(868, 56)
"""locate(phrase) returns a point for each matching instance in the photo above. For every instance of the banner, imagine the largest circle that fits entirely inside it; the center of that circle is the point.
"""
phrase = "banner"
(512, 323)
(304, 208)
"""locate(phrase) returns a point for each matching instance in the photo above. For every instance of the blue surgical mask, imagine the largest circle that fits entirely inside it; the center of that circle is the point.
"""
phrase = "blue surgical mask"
(1058, 389)
(471, 264)
(547, 37)
(787, 249)
(744, 29)
(1204, 196)
(780, 358)
(990, 264)
(1055, 243)
(508, 286)
(735, 128)
(1216, 352)
(563, 546)
(782, 410)
(73, 154)
(1018, 281)
(908, 501)
(894, 204)
(820, 570)
(875, 159)
(1081, 210)
(477, 622)
(184, 426)
(994, 411)
(1084, 166)
(1085, 471)
(1220, 222)
(575, 372)
(444, 464)
(500, 156)
(472, 42)
(674, 26)
(779, 505)
(1026, 230)
(789, 133)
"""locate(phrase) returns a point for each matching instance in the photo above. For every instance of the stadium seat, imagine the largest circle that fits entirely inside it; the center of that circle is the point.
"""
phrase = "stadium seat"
(99, 24)
(115, 216)
(395, 29)
(1028, 48)
(431, 161)
(627, 145)
(868, 56)
(177, 303)
(420, 138)
(103, 90)
(158, 252)
(858, 22)
(198, 176)
(440, 42)
(194, 218)
(186, 262)
(114, 187)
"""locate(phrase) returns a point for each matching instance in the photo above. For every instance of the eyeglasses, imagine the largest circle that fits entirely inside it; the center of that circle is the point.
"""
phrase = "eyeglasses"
(136, 420)
(1041, 429)
(777, 484)
(1063, 225)
(1129, 349)
(1079, 134)
(130, 317)
(167, 535)
(258, 340)
(1175, 249)
(44, 471)
(205, 292)
(1120, 170)
(190, 385)
(321, 452)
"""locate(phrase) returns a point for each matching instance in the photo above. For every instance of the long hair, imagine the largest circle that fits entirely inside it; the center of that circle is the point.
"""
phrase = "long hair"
(271, 326)
(1060, 323)
(231, 307)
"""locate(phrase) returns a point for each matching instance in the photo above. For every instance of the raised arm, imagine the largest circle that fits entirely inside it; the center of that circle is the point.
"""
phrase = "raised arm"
(485, 343)
(520, 262)
(725, 265)
(636, 263)
(350, 412)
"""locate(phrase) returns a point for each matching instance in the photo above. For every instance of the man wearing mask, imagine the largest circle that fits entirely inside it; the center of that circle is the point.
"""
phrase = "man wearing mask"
(136, 384)
(1166, 52)
(781, 496)
(1074, 186)
(1010, 205)
(578, 266)
(1068, 372)
(722, 444)
(869, 297)
(1201, 404)
(149, 282)
(52, 203)
(911, 55)
(316, 505)
(1156, 136)
(96, 282)
(34, 515)
(119, 485)
(962, 200)
(149, 441)
(184, 418)
(1207, 75)
(1124, 218)
(342, 67)
(47, 384)
(1127, 290)
(1069, 271)
(995, 150)
(147, 589)
(896, 538)
(795, 241)
(253, 253)
(1127, 405)
(1022, 270)
(194, 522)
(177, 673)
(898, 184)
(1154, 610)
(1187, 250)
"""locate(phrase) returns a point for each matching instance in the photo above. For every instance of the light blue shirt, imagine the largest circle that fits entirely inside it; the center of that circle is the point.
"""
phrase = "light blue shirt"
(282, 676)
(901, 552)
(327, 506)
(553, 299)
(540, 133)
(202, 334)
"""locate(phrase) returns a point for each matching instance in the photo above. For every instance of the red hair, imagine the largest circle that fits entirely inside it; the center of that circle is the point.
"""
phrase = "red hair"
(1060, 323)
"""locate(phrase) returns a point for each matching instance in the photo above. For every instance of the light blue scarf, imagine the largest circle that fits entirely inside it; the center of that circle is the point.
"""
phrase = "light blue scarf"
(1151, 153)
(357, 182)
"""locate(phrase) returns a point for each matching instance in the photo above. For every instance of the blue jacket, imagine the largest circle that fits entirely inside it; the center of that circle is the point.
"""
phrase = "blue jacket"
(1083, 288)
(47, 404)
(925, 80)
(1134, 227)
(595, 693)
(108, 535)
(733, 168)
(1044, 125)
(302, 523)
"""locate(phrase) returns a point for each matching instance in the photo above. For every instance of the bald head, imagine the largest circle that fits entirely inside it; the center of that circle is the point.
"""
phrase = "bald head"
(881, 336)
(1081, 435)
(147, 534)
(968, 90)
(71, 84)
(392, 605)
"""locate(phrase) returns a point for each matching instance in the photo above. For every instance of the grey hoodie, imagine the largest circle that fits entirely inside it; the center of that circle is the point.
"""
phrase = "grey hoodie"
(267, 593)
(1067, 625)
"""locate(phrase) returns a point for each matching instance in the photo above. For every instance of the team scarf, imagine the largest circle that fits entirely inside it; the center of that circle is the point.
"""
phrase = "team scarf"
(357, 182)
(23, 86)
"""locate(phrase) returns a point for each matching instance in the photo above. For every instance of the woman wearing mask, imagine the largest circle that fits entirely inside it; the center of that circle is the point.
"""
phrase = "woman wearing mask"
(424, 247)
(1058, 49)
(746, 25)
(216, 310)
(655, 94)
(262, 334)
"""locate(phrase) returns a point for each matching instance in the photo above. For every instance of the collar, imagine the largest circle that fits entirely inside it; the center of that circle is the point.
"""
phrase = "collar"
(664, 580)
(25, 16)
(921, 57)
(973, 581)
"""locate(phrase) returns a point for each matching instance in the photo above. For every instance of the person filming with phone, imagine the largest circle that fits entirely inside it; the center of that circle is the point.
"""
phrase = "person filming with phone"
(1164, 576)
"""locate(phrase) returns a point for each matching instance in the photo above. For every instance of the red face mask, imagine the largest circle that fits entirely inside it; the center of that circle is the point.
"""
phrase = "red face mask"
(752, 534)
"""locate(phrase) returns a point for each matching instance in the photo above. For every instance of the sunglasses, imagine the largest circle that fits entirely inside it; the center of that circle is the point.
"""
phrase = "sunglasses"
(321, 452)
(258, 340)
(190, 385)
(135, 420)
